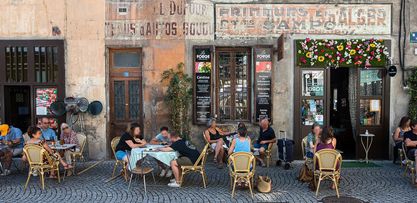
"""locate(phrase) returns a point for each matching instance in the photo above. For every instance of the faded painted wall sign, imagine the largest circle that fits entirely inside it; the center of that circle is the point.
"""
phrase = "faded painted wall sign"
(159, 19)
(270, 20)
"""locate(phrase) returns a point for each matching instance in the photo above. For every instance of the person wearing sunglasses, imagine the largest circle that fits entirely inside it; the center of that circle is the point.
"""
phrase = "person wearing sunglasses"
(47, 133)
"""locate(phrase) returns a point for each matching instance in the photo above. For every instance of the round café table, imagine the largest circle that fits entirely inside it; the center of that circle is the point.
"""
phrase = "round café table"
(369, 139)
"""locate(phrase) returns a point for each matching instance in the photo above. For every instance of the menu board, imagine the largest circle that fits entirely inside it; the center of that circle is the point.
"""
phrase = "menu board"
(263, 83)
(44, 98)
(202, 88)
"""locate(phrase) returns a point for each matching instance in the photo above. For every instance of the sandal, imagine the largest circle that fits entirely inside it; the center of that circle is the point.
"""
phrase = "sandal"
(68, 166)
(215, 160)
(53, 177)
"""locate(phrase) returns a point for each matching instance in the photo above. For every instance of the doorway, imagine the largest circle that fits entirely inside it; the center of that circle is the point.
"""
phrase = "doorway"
(340, 115)
(125, 90)
(18, 106)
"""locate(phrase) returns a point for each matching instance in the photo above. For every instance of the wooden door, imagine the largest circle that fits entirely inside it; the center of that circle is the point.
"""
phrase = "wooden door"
(125, 90)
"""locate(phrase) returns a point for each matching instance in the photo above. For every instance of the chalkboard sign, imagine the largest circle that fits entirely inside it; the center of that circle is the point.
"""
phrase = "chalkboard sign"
(263, 83)
(202, 85)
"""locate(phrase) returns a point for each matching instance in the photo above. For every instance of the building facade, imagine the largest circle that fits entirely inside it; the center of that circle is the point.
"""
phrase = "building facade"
(248, 59)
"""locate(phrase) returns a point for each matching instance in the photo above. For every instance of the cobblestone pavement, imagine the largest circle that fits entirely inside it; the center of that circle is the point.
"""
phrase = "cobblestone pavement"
(380, 184)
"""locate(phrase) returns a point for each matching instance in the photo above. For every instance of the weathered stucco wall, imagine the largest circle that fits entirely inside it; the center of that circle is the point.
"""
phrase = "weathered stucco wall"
(82, 28)
(166, 36)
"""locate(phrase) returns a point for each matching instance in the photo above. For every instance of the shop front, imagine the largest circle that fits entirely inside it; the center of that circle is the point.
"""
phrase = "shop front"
(32, 75)
(344, 84)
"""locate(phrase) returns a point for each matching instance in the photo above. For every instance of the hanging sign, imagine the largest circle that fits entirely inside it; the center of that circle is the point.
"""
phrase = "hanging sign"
(263, 83)
(202, 85)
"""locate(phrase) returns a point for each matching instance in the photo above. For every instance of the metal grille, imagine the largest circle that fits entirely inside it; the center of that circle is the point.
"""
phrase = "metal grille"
(119, 100)
(16, 64)
(134, 99)
(46, 63)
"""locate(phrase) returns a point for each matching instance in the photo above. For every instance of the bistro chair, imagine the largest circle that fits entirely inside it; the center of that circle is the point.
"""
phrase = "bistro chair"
(327, 165)
(36, 155)
(209, 150)
(409, 164)
(141, 170)
(242, 168)
(113, 144)
(198, 167)
(268, 154)
(78, 155)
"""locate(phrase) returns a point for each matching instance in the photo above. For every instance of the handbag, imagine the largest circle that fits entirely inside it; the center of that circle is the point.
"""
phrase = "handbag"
(264, 184)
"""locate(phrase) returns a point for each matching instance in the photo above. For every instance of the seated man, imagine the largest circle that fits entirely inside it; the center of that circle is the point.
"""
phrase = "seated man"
(162, 139)
(5, 154)
(266, 136)
(14, 139)
(47, 133)
(410, 139)
(187, 157)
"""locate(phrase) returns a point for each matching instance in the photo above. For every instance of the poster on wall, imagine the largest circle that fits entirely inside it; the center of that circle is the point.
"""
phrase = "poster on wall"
(202, 88)
(44, 98)
(263, 83)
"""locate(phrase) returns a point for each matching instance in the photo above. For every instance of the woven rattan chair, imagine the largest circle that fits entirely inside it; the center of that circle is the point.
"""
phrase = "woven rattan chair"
(113, 144)
(142, 170)
(409, 164)
(268, 153)
(327, 165)
(36, 156)
(78, 155)
(198, 167)
(241, 168)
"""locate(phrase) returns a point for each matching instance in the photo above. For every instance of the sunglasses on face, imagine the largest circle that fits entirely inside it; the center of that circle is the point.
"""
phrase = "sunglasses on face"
(64, 128)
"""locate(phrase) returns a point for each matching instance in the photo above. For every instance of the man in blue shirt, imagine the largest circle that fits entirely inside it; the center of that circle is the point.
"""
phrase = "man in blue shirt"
(14, 140)
(47, 133)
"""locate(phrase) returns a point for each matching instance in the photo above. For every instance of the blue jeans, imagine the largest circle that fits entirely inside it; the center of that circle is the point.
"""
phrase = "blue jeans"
(120, 155)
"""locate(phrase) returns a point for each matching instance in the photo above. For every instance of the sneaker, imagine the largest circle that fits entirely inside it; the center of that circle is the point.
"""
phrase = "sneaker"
(35, 173)
(6, 172)
(172, 180)
(169, 174)
(174, 184)
(163, 172)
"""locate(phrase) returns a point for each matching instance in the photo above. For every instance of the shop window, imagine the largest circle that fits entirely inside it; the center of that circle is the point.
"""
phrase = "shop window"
(134, 97)
(371, 82)
(370, 112)
(119, 100)
(312, 111)
(312, 83)
(46, 63)
(233, 84)
(16, 64)
(125, 59)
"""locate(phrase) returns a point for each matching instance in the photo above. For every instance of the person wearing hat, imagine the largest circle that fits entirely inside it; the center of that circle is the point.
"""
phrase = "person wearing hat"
(14, 139)
(5, 154)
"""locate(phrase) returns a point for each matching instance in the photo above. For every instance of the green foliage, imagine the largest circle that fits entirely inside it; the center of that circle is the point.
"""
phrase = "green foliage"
(178, 98)
(412, 106)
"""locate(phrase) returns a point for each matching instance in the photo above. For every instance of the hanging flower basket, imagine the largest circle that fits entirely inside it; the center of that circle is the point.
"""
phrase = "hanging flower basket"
(342, 53)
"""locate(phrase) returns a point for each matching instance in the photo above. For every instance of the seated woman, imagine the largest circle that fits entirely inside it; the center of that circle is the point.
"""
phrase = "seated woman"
(128, 141)
(398, 135)
(241, 143)
(69, 137)
(327, 140)
(213, 136)
(312, 137)
(35, 135)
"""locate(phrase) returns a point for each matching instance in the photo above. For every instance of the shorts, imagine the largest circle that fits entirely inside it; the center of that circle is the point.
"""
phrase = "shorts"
(411, 154)
(258, 146)
(120, 155)
(184, 161)
(213, 146)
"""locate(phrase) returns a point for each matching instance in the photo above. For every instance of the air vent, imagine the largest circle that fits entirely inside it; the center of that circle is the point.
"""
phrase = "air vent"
(122, 10)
